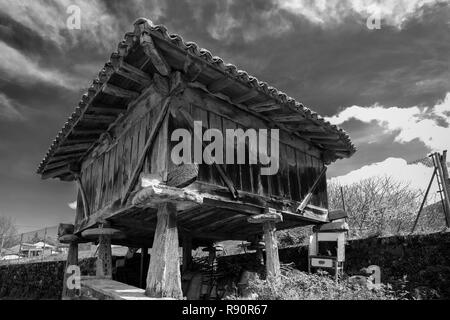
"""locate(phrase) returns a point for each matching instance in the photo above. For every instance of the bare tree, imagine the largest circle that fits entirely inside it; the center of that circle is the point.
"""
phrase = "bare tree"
(8, 232)
(377, 206)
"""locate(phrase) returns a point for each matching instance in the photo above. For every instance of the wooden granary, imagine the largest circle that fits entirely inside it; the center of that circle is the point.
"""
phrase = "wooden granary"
(117, 147)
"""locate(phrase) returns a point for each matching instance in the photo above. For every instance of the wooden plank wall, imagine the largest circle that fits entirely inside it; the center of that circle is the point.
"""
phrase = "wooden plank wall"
(106, 177)
(295, 176)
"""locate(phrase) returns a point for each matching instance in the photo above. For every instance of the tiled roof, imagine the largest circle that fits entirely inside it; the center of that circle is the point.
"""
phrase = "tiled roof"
(165, 41)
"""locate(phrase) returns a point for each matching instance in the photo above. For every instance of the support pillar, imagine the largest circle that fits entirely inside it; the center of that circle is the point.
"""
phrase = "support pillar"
(104, 234)
(187, 252)
(164, 276)
(104, 257)
(259, 256)
(72, 260)
(272, 259)
(144, 253)
(268, 220)
(258, 246)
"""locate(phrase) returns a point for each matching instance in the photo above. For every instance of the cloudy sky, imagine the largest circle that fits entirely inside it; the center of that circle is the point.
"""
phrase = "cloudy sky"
(388, 87)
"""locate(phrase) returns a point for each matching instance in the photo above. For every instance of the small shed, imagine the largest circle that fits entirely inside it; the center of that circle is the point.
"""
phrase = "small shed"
(117, 147)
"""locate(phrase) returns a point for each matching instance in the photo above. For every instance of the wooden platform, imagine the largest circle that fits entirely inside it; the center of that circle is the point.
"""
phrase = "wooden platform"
(217, 218)
(106, 289)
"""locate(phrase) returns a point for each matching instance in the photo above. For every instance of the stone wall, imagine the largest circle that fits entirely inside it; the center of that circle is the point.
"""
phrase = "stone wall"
(39, 280)
(408, 262)
(412, 261)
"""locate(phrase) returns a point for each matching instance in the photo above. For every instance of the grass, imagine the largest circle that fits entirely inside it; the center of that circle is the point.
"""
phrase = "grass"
(297, 285)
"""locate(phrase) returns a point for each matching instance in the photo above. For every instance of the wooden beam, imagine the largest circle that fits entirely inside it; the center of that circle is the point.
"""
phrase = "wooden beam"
(164, 277)
(192, 69)
(65, 157)
(79, 141)
(264, 106)
(87, 132)
(155, 56)
(210, 227)
(316, 208)
(154, 192)
(55, 172)
(151, 138)
(58, 164)
(266, 103)
(119, 92)
(219, 84)
(290, 118)
(86, 210)
(311, 190)
(325, 139)
(342, 154)
(96, 118)
(105, 110)
(310, 128)
(268, 215)
(334, 145)
(134, 74)
(318, 135)
(247, 96)
(233, 205)
(74, 147)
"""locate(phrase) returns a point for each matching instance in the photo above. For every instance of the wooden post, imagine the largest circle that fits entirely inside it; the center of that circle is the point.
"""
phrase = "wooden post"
(211, 255)
(72, 260)
(104, 258)
(164, 276)
(144, 252)
(443, 170)
(187, 252)
(272, 259)
(268, 220)
(259, 256)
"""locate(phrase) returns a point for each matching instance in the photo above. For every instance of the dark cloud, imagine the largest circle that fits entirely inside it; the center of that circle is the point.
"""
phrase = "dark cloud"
(326, 66)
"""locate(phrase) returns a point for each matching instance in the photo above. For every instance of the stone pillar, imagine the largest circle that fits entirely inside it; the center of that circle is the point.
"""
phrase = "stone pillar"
(72, 260)
(104, 234)
(164, 276)
(104, 257)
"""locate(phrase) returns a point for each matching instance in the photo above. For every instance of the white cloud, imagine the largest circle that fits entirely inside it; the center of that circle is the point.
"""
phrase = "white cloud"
(72, 205)
(416, 175)
(262, 23)
(49, 20)
(319, 12)
(18, 68)
(408, 123)
(9, 109)
(331, 12)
